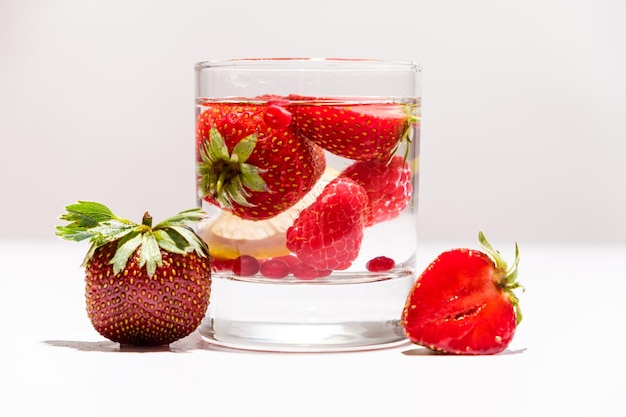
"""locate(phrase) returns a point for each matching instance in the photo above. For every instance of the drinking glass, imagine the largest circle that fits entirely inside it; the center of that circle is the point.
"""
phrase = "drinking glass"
(307, 169)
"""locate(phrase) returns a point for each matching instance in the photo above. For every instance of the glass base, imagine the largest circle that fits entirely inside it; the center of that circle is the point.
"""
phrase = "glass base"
(281, 337)
(330, 316)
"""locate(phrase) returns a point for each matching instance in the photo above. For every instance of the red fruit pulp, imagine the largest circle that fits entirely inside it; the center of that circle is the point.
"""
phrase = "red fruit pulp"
(380, 264)
(304, 271)
(245, 266)
(274, 268)
(277, 117)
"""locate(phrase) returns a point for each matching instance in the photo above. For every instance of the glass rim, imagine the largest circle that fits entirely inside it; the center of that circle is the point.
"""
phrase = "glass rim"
(312, 63)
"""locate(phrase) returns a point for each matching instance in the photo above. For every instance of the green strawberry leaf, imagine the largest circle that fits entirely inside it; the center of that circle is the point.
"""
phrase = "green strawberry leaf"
(216, 149)
(183, 218)
(110, 231)
(106, 232)
(73, 233)
(206, 156)
(251, 178)
(235, 192)
(227, 177)
(150, 254)
(83, 216)
(94, 221)
(193, 241)
(88, 213)
(125, 248)
(171, 241)
(243, 149)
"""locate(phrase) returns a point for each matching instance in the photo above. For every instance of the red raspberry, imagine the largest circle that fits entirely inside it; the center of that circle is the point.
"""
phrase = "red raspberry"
(304, 271)
(388, 186)
(328, 233)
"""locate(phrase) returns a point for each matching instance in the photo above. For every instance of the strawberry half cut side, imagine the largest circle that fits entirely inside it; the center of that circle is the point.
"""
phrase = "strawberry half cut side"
(464, 302)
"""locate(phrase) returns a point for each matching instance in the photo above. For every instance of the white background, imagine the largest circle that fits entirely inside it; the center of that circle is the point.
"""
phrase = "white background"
(524, 104)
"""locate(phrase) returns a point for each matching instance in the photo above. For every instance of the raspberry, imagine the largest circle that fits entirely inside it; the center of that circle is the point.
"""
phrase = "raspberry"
(388, 187)
(304, 271)
(328, 233)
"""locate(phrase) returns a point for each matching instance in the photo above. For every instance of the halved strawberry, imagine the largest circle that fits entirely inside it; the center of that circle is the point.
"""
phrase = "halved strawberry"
(251, 162)
(463, 303)
(354, 131)
(328, 234)
(388, 186)
(144, 285)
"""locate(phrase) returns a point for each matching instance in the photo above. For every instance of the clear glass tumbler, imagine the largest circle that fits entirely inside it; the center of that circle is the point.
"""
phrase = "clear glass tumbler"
(308, 171)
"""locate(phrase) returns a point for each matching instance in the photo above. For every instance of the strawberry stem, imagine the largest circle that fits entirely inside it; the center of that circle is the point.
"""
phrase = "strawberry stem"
(147, 220)
(508, 282)
(219, 186)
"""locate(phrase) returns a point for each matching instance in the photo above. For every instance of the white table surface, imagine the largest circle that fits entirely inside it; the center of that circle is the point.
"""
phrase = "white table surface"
(567, 358)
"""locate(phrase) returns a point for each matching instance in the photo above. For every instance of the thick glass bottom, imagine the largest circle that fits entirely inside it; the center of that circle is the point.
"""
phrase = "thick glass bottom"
(339, 314)
(288, 337)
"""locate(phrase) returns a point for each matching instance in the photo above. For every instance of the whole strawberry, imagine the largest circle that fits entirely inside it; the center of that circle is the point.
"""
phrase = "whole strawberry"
(354, 131)
(144, 285)
(328, 233)
(463, 303)
(250, 160)
(387, 184)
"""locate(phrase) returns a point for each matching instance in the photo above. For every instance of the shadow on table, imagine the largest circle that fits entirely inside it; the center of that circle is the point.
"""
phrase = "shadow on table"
(186, 344)
(422, 351)
(195, 342)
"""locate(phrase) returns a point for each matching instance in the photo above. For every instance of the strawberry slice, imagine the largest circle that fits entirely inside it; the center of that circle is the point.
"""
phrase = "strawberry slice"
(354, 131)
(463, 303)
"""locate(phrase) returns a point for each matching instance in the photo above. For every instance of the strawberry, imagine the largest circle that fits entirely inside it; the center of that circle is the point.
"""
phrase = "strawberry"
(144, 285)
(251, 162)
(463, 303)
(354, 131)
(387, 184)
(328, 234)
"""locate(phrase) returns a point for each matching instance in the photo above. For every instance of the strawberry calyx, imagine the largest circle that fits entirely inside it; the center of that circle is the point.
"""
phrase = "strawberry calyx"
(407, 135)
(507, 274)
(226, 177)
(95, 222)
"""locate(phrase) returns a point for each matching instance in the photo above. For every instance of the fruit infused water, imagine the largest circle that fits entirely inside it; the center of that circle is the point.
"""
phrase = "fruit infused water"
(311, 214)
